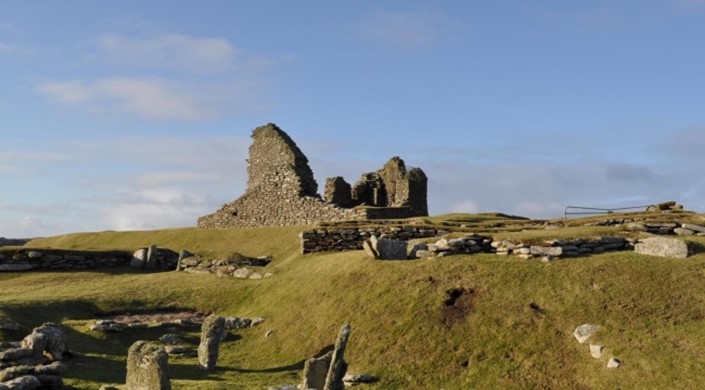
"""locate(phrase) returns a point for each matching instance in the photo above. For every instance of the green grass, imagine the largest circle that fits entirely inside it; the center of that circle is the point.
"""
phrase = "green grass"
(515, 331)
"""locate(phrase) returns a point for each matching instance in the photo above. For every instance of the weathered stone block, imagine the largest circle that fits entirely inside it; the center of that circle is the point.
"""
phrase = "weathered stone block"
(662, 247)
(211, 334)
(147, 367)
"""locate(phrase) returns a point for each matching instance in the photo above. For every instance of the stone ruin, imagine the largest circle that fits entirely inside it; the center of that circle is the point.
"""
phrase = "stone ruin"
(281, 190)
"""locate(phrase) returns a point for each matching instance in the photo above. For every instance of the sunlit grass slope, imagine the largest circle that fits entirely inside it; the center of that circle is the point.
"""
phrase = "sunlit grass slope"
(512, 328)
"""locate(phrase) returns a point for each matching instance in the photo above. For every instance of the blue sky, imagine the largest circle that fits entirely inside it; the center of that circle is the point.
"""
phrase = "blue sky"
(137, 115)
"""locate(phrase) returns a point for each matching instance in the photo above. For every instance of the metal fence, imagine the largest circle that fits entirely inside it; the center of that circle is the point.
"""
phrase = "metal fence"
(579, 210)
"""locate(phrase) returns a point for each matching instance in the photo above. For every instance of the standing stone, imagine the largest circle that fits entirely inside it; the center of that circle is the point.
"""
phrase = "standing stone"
(316, 371)
(151, 262)
(139, 258)
(48, 340)
(583, 332)
(391, 249)
(211, 333)
(367, 246)
(338, 366)
(147, 367)
(662, 247)
(182, 255)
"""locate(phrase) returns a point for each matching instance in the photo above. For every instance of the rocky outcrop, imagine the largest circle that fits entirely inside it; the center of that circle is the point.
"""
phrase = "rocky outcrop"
(211, 334)
(281, 189)
(147, 367)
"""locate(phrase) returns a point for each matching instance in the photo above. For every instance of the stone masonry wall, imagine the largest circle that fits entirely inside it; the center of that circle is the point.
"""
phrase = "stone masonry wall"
(26, 259)
(282, 190)
(342, 239)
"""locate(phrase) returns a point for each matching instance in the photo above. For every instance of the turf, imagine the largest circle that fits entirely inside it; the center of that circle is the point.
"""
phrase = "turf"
(511, 329)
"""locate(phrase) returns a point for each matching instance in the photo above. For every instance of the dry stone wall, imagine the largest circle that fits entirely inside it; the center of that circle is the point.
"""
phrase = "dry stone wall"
(353, 238)
(281, 190)
(25, 259)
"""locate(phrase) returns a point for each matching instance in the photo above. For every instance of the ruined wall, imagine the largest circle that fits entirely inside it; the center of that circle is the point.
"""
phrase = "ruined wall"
(393, 186)
(281, 190)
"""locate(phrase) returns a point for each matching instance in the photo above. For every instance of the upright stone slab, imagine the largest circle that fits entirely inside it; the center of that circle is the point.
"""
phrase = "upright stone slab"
(211, 334)
(391, 249)
(147, 367)
(338, 366)
(139, 258)
(151, 262)
(662, 247)
(316, 371)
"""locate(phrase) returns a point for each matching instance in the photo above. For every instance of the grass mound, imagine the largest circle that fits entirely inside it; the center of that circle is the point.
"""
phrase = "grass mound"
(459, 322)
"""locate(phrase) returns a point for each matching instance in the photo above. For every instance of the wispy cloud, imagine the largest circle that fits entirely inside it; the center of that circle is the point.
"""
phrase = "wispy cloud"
(153, 99)
(153, 209)
(408, 30)
(169, 51)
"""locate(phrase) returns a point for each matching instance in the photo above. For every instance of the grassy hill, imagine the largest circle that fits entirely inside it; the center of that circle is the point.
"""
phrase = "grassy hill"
(511, 329)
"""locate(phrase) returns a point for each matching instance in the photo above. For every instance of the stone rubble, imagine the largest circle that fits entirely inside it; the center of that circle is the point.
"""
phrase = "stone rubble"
(36, 361)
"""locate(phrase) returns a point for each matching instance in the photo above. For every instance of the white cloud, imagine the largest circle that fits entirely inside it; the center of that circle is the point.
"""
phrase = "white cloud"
(169, 51)
(152, 99)
(152, 209)
(409, 30)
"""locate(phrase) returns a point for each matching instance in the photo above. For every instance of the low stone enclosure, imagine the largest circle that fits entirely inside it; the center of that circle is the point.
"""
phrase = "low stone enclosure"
(355, 238)
(281, 190)
(152, 258)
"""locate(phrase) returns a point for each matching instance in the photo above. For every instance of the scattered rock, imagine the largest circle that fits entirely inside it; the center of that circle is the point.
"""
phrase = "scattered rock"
(614, 363)
(596, 350)
(147, 367)
(108, 326)
(583, 332)
(662, 247)
(170, 339)
(353, 379)
(268, 333)
(683, 232)
(242, 273)
(211, 333)
(695, 228)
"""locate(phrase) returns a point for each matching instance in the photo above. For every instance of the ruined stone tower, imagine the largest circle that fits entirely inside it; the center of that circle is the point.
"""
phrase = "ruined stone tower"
(281, 190)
